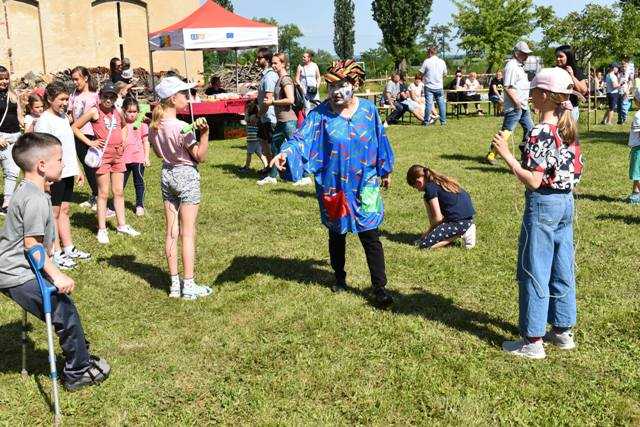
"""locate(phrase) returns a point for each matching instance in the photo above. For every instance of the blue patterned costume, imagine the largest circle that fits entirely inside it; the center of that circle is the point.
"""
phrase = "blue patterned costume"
(347, 158)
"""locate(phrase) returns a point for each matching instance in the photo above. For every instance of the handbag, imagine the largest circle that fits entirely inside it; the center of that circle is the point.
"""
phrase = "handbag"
(312, 90)
(94, 155)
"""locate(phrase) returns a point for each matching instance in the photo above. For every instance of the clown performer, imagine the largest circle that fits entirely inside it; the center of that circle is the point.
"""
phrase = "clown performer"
(343, 144)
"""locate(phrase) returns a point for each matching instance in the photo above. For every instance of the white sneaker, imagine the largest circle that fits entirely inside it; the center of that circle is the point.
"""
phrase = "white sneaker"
(524, 348)
(63, 262)
(103, 236)
(175, 291)
(194, 291)
(110, 213)
(74, 253)
(304, 181)
(385, 124)
(139, 211)
(86, 204)
(469, 237)
(564, 340)
(267, 180)
(128, 230)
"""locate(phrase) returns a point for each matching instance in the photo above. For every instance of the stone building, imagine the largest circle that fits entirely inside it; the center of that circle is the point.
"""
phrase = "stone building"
(52, 35)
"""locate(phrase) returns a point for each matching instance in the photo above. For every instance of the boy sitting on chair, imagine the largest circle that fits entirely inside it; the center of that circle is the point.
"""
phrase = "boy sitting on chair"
(30, 222)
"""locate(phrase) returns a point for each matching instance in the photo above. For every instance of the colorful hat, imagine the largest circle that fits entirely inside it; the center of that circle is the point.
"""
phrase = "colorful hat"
(348, 69)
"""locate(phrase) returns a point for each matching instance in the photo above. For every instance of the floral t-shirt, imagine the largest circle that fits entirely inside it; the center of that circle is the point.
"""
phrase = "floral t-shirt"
(560, 163)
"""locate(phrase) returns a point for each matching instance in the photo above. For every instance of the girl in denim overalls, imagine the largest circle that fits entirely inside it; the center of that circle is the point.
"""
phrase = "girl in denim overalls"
(550, 169)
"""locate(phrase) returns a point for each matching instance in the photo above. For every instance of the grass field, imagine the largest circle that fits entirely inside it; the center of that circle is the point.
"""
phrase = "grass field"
(275, 346)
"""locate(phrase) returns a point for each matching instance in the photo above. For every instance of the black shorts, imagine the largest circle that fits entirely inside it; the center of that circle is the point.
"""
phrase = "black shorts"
(62, 191)
(266, 130)
(612, 100)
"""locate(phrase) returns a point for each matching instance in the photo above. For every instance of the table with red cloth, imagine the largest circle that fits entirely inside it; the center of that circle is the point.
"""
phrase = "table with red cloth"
(217, 107)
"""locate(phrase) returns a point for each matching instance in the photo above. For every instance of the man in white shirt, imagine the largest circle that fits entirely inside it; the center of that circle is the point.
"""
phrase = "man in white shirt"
(516, 96)
(433, 71)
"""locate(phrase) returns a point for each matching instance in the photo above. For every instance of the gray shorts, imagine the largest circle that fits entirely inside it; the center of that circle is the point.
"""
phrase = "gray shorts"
(180, 185)
(254, 147)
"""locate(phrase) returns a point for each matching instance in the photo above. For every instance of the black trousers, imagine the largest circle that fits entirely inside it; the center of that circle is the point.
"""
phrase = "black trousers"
(66, 323)
(137, 169)
(397, 114)
(372, 246)
(89, 173)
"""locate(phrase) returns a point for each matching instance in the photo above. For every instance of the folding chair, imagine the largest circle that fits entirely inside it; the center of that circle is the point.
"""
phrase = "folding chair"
(36, 257)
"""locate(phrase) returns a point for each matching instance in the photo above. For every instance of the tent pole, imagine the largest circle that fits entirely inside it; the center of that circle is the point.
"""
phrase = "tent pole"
(153, 78)
(237, 78)
(589, 96)
(186, 72)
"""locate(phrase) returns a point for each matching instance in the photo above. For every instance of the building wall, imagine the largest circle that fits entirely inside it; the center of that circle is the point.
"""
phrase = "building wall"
(75, 33)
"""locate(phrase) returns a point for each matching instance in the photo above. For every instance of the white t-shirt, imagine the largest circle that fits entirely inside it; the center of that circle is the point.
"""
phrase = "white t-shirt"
(516, 77)
(433, 70)
(417, 90)
(634, 133)
(28, 121)
(60, 128)
(308, 74)
(612, 80)
(472, 86)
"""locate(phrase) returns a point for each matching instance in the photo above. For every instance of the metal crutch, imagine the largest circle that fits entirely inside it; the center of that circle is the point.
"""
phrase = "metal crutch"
(36, 257)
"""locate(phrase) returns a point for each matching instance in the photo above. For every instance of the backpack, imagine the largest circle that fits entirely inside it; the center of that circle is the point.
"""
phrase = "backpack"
(298, 98)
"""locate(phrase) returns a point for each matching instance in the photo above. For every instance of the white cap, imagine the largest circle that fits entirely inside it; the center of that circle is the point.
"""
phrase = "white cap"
(522, 47)
(169, 86)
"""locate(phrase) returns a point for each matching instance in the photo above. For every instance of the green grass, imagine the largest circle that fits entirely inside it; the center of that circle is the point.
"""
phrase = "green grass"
(275, 346)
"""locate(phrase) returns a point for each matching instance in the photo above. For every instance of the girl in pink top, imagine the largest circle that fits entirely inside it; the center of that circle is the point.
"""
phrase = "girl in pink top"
(180, 182)
(136, 151)
(110, 136)
(83, 98)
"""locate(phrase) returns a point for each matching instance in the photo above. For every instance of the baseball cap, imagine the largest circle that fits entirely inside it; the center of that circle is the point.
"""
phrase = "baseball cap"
(522, 47)
(108, 87)
(169, 86)
(554, 80)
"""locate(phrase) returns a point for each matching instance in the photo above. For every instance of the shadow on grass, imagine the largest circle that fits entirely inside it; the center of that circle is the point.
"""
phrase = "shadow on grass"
(156, 277)
(11, 350)
(598, 198)
(300, 193)
(431, 306)
(232, 169)
(627, 219)
(463, 157)
(490, 169)
(85, 220)
(401, 237)
(615, 136)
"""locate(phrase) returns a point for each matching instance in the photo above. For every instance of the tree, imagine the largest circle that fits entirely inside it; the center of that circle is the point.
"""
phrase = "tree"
(400, 23)
(344, 28)
(490, 28)
(226, 4)
(437, 36)
(591, 33)
(378, 62)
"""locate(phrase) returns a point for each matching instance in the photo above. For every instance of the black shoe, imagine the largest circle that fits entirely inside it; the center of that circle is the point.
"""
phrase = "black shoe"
(97, 372)
(339, 287)
(381, 298)
(3, 211)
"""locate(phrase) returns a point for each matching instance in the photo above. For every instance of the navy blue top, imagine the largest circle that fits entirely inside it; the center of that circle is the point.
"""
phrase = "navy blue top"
(454, 206)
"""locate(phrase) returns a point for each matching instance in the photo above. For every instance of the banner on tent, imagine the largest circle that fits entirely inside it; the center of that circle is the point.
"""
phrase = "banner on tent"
(215, 38)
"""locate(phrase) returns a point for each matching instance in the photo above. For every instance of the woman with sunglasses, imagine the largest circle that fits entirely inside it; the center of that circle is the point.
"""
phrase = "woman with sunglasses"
(110, 132)
(342, 143)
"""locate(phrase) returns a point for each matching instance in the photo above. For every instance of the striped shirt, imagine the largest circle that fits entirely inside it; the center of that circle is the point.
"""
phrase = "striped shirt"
(252, 134)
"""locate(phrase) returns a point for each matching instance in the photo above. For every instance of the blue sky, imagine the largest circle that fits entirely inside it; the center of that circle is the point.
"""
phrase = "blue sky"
(315, 18)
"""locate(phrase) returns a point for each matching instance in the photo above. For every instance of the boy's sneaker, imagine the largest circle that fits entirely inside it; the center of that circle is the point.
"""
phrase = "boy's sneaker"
(97, 372)
(193, 291)
(128, 230)
(524, 348)
(634, 198)
(267, 180)
(86, 204)
(63, 262)
(103, 236)
(74, 254)
(491, 158)
(3, 211)
(562, 340)
(139, 211)
(304, 181)
(469, 237)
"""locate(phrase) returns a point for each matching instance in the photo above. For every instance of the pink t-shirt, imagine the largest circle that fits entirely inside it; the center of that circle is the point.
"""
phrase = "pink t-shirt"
(108, 126)
(80, 103)
(171, 144)
(134, 150)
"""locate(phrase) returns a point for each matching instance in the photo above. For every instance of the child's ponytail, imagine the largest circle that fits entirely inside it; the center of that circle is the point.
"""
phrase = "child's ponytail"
(417, 171)
(567, 126)
(158, 114)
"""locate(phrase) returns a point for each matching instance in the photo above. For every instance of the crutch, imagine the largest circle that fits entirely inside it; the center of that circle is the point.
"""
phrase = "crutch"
(36, 257)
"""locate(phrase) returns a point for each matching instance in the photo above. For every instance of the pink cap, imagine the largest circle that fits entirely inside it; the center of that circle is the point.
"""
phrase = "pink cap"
(554, 80)
(39, 91)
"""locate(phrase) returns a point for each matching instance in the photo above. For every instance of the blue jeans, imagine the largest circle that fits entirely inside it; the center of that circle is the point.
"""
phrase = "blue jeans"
(284, 131)
(513, 117)
(429, 94)
(545, 271)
